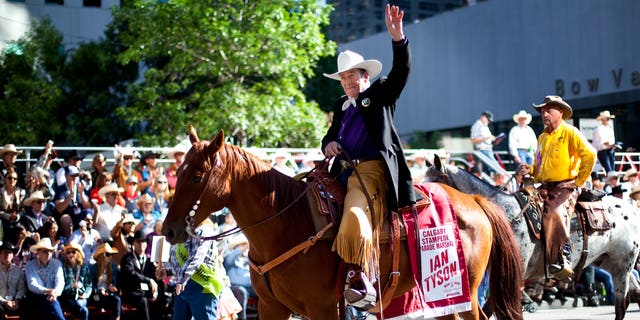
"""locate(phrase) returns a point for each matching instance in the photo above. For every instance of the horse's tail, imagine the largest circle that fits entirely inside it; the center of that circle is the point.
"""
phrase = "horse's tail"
(505, 277)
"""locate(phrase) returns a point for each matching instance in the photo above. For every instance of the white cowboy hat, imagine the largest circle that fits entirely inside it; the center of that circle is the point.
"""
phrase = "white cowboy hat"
(111, 187)
(44, 243)
(348, 60)
(522, 114)
(557, 101)
(129, 218)
(9, 148)
(417, 155)
(36, 195)
(605, 114)
(179, 148)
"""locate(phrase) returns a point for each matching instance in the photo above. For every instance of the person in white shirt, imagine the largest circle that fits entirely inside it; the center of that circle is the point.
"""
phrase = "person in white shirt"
(604, 141)
(109, 212)
(522, 139)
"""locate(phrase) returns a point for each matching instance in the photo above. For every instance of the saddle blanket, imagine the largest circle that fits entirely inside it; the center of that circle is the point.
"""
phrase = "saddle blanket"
(443, 281)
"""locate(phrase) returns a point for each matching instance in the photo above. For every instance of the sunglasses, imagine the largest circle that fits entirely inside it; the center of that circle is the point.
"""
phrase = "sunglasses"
(127, 158)
(162, 182)
(112, 194)
(70, 252)
(12, 178)
(107, 254)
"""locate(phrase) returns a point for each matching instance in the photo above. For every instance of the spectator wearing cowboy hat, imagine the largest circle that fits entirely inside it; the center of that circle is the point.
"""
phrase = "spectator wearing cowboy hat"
(362, 128)
(522, 139)
(634, 195)
(77, 282)
(123, 169)
(109, 212)
(630, 180)
(236, 263)
(45, 281)
(104, 274)
(177, 154)
(149, 170)
(611, 181)
(562, 165)
(604, 141)
(137, 280)
(13, 289)
(419, 166)
(121, 235)
(11, 197)
(34, 214)
(9, 155)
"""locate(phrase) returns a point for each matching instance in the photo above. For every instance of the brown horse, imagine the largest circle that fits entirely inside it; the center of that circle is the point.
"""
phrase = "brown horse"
(270, 209)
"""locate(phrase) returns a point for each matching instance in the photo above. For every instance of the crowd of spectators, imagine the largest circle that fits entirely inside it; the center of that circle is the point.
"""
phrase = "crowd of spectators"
(78, 242)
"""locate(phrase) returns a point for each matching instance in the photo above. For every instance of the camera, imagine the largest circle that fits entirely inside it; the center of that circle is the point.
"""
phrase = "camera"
(619, 145)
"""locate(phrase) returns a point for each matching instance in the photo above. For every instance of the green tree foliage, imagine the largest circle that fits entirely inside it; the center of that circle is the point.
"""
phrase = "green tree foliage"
(69, 96)
(227, 64)
(29, 91)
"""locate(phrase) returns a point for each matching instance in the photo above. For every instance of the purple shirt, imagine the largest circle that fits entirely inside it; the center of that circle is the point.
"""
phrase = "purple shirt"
(353, 135)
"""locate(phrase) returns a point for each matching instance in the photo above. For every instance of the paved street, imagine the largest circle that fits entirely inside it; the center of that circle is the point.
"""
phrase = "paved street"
(582, 313)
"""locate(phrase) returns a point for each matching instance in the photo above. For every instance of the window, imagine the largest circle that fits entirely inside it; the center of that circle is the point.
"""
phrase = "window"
(92, 3)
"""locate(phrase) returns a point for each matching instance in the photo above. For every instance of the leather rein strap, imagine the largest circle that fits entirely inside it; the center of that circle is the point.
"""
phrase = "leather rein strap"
(304, 246)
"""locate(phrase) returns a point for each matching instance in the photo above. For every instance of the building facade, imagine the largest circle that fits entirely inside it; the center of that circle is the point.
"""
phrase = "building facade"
(505, 55)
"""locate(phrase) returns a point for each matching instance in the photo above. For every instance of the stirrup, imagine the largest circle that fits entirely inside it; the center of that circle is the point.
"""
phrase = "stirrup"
(364, 295)
(561, 271)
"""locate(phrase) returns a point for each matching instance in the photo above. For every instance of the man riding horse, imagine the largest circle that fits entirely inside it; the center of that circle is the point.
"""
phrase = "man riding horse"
(363, 128)
(563, 163)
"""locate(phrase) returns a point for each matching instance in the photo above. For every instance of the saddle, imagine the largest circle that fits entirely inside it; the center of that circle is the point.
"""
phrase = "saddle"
(327, 196)
(532, 208)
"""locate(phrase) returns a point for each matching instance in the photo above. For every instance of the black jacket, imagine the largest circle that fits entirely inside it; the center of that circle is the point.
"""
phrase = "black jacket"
(382, 96)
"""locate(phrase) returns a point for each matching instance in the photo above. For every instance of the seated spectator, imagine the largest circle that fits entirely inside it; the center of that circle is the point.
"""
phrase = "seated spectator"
(178, 155)
(72, 201)
(159, 191)
(137, 279)
(22, 254)
(34, 215)
(88, 238)
(236, 262)
(131, 194)
(11, 197)
(146, 214)
(77, 282)
(58, 241)
(109, 213)
(104, 178)
(98, 165)
(635, 196)
(13, 289)
(104, 274)
(45, 281)
(121, 235)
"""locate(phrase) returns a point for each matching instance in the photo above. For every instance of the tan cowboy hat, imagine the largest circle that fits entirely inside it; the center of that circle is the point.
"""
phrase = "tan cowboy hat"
(111, 187)
(104, 248)
(44, 243)
(75, 246)
(9, 148)
(557, 101)
(522, 114)
(635, 190)
(348, 60)
(630, 173)
(417, 155)
(37, 195)
(238, 240)
(605, 114)
(612, 175)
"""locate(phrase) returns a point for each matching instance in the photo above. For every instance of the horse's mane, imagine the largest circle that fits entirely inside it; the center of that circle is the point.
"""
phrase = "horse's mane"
(485, 187)
(242, 164)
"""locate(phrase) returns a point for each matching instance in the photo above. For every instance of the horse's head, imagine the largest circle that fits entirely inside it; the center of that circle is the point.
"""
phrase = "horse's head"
(437, 172)
(202, 171)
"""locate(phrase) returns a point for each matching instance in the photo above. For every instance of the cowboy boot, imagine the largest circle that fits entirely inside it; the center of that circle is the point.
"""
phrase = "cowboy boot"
(359, 293)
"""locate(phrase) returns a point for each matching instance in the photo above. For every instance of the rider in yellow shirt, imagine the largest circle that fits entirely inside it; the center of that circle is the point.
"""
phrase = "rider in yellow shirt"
(563, 163)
